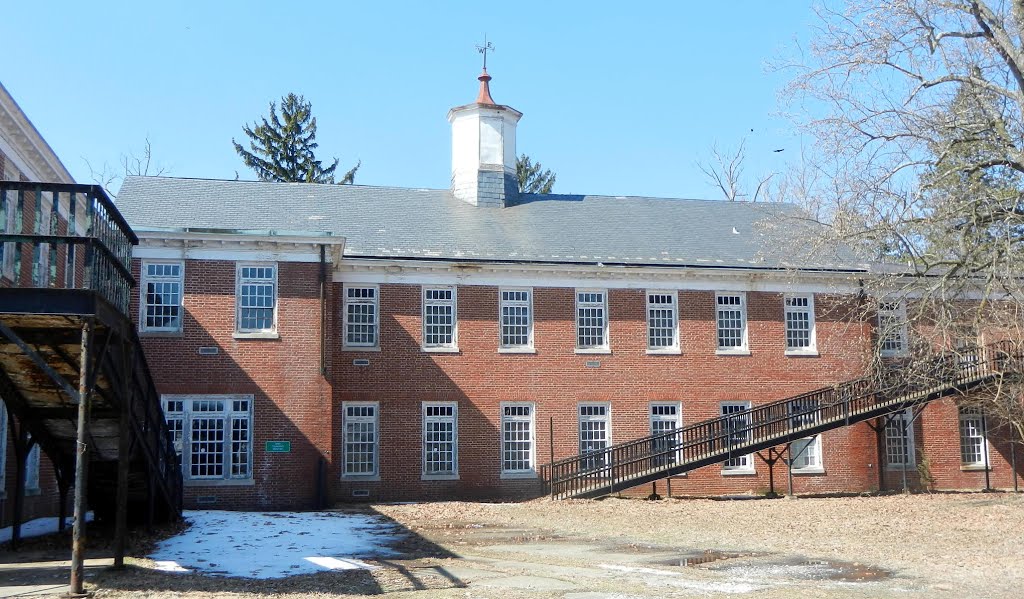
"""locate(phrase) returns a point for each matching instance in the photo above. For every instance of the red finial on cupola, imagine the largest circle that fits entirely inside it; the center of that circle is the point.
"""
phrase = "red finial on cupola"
(484, 97)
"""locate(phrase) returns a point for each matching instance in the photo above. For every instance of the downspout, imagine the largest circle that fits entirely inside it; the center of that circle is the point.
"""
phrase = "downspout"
(323, 310)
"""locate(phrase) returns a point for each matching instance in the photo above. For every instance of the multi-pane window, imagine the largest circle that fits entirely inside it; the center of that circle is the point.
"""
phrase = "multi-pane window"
(161, 296)
(805, 453)
(595, 434)
(517, 440)
(9, 205)
(516, 318)
(361, 316)
(899, 439)
(440, 439)
(257, 298)
(3, 448)
(32, 469)
(892, 328)
(972, 437)
(591, 320)
(360, 438)
(662, 321)
(799, 312)
(731, 317)
(212, 434)
(665, 418)
(737, 433)
(439, 317)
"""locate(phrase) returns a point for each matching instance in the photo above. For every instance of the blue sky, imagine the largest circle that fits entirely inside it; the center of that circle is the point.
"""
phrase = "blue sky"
(619, 98)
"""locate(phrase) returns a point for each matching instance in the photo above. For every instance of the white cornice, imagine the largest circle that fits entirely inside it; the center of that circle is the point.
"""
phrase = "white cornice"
(21, 141)
(350, 270)
(186, 245)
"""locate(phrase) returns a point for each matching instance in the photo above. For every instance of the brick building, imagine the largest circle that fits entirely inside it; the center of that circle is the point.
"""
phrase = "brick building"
(25, 156)
(318, 342)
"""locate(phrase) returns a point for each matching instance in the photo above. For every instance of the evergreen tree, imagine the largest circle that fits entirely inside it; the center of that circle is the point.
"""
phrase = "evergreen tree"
(282, 148)
(531, 178)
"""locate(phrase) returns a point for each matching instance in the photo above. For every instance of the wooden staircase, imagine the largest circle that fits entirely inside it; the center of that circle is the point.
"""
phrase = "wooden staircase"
(717, 440)
(68, 348)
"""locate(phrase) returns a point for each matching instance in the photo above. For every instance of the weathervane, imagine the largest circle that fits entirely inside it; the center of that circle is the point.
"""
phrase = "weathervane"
(484, 48)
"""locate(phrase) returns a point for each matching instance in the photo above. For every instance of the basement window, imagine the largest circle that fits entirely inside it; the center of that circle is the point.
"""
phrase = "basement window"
(212, 435)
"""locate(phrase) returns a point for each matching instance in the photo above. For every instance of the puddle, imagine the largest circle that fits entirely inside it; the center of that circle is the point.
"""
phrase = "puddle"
(806, 569)
(699, 558)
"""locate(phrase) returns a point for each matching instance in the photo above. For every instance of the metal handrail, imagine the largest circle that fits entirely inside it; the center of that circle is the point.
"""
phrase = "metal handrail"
(720, 438)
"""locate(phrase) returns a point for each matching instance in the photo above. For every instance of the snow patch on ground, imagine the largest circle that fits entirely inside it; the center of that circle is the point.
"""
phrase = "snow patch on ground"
(38, 527)
(274, 544)
(675, 579)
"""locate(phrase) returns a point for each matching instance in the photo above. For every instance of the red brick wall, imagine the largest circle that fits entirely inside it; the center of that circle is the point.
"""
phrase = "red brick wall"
(292, 400)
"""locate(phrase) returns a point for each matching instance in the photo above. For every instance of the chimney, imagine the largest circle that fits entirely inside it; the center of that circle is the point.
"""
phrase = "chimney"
(484, 150)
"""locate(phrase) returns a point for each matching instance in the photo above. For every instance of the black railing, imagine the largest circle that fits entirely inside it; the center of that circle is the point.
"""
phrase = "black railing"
(719, 439)
(59, 235)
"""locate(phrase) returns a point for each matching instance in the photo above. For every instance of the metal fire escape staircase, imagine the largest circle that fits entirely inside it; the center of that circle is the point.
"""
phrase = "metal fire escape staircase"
(617, 467)
(68, 348)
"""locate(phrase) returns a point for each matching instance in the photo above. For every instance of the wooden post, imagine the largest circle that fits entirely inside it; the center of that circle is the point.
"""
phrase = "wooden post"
(81, 466)
(22, 447)
(123, 458)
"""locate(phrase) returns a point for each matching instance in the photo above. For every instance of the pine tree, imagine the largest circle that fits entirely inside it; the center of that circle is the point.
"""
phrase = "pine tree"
(531, 178)
(282, 148)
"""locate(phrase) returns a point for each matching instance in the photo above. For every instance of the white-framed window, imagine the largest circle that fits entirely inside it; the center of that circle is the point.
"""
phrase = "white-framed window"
(799, 315)
(9, 205)
(892, 328)
(257, 298)
(973, 444)
(362, 316)
(440, 439)
(161, 296)
(662, 322)
(731, 319)
(805, 453)
(737, 432)
(440, 318)
(516, 314)
(518, 444)
(32, 469)
(591, 320)
(899, 449)
(360, 438)
(3, 448)
(595, 427)
(41, 267)
(664, 418)
(212, 434)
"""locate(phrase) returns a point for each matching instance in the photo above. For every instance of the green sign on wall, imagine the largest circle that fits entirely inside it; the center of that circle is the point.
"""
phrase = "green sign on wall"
(278, 446)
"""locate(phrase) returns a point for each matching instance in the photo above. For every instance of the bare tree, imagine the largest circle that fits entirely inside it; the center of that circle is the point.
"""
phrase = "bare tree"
(132, 164)
(916, 109)
(724, 170)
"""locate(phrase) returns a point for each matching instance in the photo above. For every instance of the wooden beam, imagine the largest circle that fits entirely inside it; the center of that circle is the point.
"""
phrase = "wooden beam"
(81, 468)
(39, 361)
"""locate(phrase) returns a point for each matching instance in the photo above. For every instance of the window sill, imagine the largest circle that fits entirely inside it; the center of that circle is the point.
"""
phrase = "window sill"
(732, 352)
(816, 471)
(166, 334)
(900, 354)
(517, 350)
(900, 467)
(258, 335)
(33, 492)
(592, 350)
(440, 350)
(974, 468)
(439, 477)
(359, 348)
(518, 475)
(739, 472)
(220, 482)
(669, 351)
(802, 353)
(360, 478)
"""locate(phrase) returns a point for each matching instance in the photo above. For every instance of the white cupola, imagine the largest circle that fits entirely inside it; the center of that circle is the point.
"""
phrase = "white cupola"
(484, 150)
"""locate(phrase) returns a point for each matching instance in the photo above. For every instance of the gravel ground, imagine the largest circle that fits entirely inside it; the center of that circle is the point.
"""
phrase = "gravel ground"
(858, 547)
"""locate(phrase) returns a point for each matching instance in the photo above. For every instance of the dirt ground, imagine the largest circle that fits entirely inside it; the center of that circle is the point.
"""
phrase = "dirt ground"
(895, 546)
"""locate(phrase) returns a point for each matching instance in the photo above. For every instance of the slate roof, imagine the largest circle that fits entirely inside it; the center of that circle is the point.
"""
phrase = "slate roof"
(390, 222)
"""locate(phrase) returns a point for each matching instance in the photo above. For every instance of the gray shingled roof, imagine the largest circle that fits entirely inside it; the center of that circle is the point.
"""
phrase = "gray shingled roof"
(390, 222)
